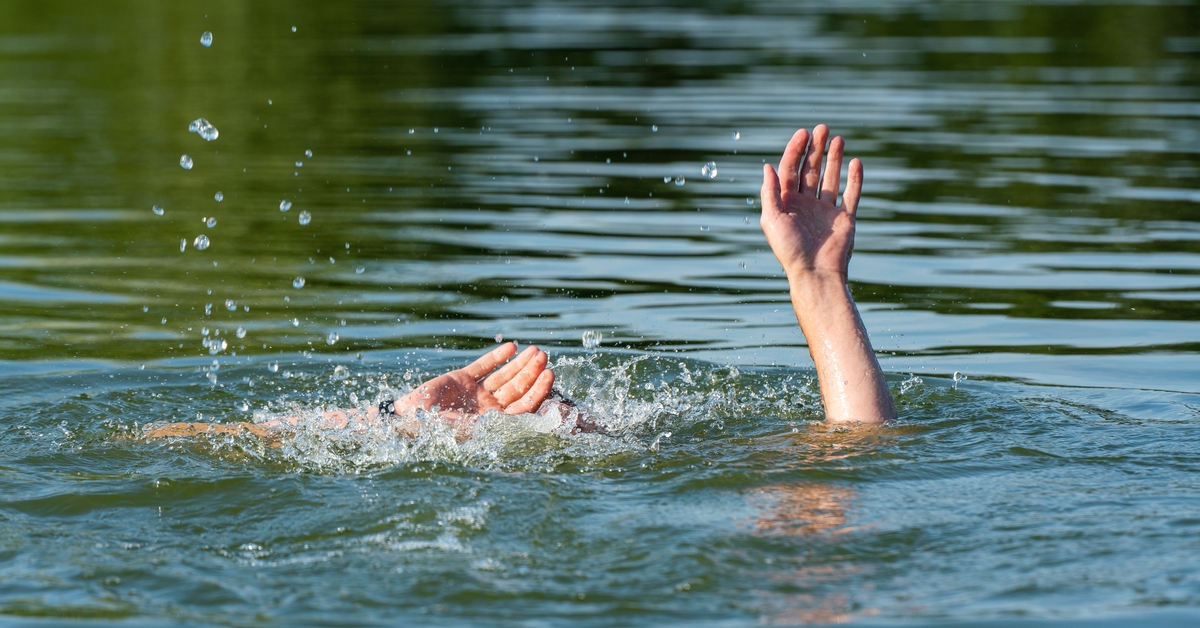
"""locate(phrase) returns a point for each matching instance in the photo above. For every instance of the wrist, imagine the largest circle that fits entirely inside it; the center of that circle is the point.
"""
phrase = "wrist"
(808, 284)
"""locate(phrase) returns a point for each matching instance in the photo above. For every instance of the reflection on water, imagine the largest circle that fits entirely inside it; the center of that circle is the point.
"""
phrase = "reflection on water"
(394, 185)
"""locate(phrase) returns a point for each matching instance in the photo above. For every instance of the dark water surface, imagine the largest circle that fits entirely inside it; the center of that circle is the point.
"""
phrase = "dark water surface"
(1030, 221)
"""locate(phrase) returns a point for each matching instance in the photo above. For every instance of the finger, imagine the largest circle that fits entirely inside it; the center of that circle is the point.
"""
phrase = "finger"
(833, 171)
(771, 200)
(523, 380)
(789, 166)
(506, 373)
(853, 188)
(810, 171)
(491, 360)
(532, 400)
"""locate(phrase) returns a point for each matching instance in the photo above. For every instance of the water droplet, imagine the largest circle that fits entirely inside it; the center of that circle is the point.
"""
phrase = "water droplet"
(269, 102)
(206, 39)
(591, 339)
(211, 222)
(331, 339)
(504, 299)
(145, 308)
(435, 130)
(244, 406)
(535, 158)
(201, 242)
(182, 245)
(360, 270)
(666, 179)
(308, 153)
(285, 205)
(299, 164)
(703, 228)
(185, 162)
(626, 200)
(340, 372)
(203, 331)
(298, 283)
(295, 322)
(164, 320)
(204, 129)
(231, 305)
(208, 309)
(241, 332)
(158, 210)
(218, 196)
(305, 218)
(293, 29)
(499, 338)
(679, 181)
(746, 219)
(709, 170)
(273, 367)
(736, 136)
(749, 201)
(654, 128)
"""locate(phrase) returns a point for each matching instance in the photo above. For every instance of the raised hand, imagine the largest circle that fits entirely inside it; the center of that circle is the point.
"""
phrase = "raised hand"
(808, 232)
(516, 388)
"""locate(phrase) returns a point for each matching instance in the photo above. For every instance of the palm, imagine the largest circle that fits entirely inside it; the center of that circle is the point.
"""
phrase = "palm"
(807, 231)
(516, 388)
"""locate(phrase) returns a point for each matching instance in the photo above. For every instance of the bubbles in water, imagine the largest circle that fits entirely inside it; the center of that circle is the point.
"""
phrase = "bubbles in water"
(305, 218)
(285, 205)
(201, 242)
(340, 372)
(218, 196)
(206, 39)
(210, 222)
(298, 283)
(204, 129)
(679, 181)
(499, 338)
(709, 170)
(360, 270)
(308, 153)
(736, 136)
(185, 162)
(158, 210)
(332, 338)
(231, 305)
(241, 332)
(182, 245)
(591, 339)
(273, 367)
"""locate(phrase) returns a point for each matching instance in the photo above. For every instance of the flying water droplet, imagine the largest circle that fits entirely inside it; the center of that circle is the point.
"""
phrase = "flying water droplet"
(749, 201)
(298, 283)
(203, 331)
(736, 136)
(211, 222)
(285, 205)
(293, 29)
(206, 39)
(208, 309)
(299, 164)
(273, 367)
(679, 181)
(666, 179)
(204, 129)
(305, 218)
(201, 242)
(340, 372)
(158, 210)
(499, 338)
(308, 153)
(219, 196)
(411, 131)
(626, 200)
(185, 162)
(332, 338)
(231, 305)
(145, 308)
(504, 299)
(591, 339)
(709, 170)
(241, 332)
(654, 128)
(360, 270)
(182, 244)
(703, 228)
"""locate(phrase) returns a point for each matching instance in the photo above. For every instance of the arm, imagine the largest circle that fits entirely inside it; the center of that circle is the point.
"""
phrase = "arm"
(812, 238)
(460, 396)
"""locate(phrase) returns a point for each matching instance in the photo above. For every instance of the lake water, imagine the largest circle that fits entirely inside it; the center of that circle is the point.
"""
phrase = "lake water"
(532, 168)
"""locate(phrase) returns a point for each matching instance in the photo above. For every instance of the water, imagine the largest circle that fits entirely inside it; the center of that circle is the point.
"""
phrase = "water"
(1029, 221)
(304, 218)
(206, 39)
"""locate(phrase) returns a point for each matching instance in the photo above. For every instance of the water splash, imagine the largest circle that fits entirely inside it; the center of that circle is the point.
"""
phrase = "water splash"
(591, 339)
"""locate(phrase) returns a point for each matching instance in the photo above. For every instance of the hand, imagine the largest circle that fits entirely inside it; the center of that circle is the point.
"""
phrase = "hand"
(809, 234)
(518, 387)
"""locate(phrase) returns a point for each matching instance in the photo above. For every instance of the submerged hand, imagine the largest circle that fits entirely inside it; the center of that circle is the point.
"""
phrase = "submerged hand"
(518, 387)
(807, 231)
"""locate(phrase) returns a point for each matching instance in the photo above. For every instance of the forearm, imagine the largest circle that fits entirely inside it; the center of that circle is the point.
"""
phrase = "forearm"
(852, 384)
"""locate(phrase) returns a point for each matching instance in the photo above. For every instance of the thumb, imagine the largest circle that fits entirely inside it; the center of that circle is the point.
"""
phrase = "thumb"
(772, 202)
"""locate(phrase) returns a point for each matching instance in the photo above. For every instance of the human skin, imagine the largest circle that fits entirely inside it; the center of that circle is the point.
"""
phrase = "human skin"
(460, 397)
(813, 237)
